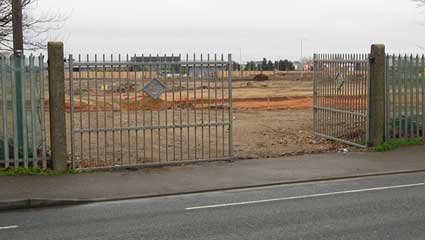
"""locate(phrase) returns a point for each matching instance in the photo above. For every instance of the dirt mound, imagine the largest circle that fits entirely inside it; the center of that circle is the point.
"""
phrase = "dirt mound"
(261, 77)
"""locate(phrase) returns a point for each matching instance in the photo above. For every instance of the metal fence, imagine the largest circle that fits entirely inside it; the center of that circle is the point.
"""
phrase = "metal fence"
(405, 105)
(149, 110)
(22, 121)
(341, 86)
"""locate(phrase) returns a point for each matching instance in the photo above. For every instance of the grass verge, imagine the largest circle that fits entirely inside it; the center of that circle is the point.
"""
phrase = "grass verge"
(397, 143)
(33, 172)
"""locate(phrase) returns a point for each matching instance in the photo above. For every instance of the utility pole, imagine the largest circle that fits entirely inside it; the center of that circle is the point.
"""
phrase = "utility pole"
(18, 51)
(302, 50)
(18, 38)
(240, 63)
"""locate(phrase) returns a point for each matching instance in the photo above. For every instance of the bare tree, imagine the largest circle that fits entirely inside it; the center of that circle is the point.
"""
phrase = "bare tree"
(34, 27)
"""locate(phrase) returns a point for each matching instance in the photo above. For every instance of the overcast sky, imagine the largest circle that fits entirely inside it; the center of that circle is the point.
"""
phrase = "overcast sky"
(257, 28)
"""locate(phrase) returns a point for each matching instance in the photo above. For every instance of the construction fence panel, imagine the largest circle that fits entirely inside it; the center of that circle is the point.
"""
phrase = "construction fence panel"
(22, 123)
(405, 105)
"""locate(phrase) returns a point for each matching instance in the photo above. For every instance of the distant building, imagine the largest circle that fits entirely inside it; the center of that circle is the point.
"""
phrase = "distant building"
(163, 68)
(299, 66)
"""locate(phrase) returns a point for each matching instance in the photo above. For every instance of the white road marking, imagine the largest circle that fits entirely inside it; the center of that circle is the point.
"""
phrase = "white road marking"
(8, 227)
(305, 196)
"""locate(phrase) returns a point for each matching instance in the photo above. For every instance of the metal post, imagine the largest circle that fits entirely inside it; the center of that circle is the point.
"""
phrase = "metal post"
(377, 95)
(57, 106)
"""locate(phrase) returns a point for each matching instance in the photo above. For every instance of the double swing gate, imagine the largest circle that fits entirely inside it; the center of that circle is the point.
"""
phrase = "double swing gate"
(149, 110)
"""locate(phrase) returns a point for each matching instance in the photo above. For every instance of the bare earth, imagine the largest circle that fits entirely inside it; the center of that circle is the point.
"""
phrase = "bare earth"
(276, 133)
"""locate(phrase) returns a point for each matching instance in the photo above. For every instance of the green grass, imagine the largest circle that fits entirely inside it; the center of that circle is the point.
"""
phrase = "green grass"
(397, 143)
(34, 172)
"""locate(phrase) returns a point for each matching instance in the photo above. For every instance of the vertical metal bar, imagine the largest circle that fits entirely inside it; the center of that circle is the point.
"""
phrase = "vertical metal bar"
(423, 95)
(350, 74)
(128, 88)
(314, 93)
(322, 98)
(330, 127)
(317, 88)
(173, 89)
(33, 112)
(387, 98)
(4, 112)
(357, 78)
(405, 92)
(181, 105)
(230, 103)
(343, 125)
(334, 99)
(202, 107)
(195, 99)
(158, 73)
(394, 95)
(112, 71)
(97, 106)
(209, 106)
(216, 104)
(188, 99)
(89, 111)
(143, 108)
(223, 106)
(81, 125)
(42, 113)
(151, 111)
(332, 131)
(24, 113)
(411, 107)
(120, 88)
(416, 77)
(166, 107)
(71, 99)
(365, 99)
(400, 94)
(339, 98)
(15, 113)
(136, 104)
(105, 122)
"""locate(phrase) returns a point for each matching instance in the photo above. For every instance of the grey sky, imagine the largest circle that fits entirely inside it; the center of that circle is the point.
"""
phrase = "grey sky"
(270, 28)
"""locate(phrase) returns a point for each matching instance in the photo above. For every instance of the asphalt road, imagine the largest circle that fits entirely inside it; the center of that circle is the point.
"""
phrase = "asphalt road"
(390, 207)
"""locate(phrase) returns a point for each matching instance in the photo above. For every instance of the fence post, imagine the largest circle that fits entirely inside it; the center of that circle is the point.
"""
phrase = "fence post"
(377, 95)
(57, 106)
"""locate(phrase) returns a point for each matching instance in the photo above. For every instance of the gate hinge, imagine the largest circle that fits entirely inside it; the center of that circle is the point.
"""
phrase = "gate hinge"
(371, 60)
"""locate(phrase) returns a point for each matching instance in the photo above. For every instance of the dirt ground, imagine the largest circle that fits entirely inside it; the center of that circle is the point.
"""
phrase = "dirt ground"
(276, 133)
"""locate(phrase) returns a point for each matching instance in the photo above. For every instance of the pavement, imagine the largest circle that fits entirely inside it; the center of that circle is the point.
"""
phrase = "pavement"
(32, 191)
(384, 207)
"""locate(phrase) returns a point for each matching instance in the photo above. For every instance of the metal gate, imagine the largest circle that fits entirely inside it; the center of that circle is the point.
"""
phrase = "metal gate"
(149, 110)
(341, 87)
